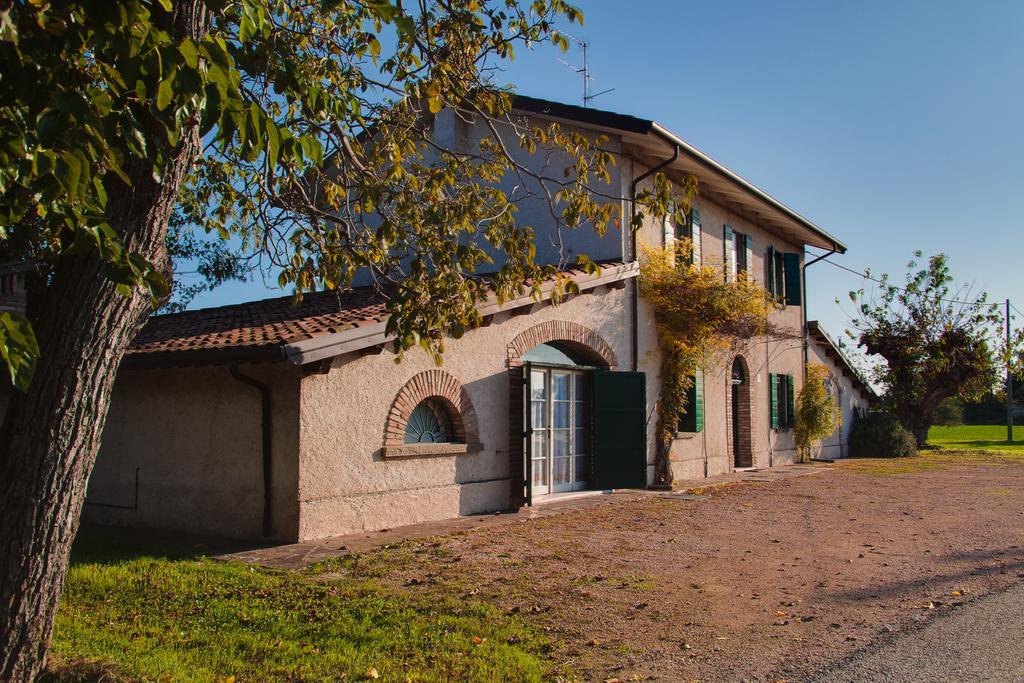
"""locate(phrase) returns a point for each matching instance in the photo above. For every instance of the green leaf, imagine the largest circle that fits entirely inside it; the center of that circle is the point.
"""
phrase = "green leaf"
(68, 172)
(19, 348)
(165, 93)
(166, 4)
(189, 53)
(246, 28)
(273, 143)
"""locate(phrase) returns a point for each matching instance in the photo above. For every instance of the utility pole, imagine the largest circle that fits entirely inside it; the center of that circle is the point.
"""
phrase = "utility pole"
(1009, 380)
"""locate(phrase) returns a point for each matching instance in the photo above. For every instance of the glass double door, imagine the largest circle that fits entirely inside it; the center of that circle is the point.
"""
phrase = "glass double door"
(559, 405)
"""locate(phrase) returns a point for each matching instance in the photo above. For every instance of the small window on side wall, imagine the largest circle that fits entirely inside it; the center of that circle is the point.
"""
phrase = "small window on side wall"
(692, 421)
(782, 408)
(429, 423)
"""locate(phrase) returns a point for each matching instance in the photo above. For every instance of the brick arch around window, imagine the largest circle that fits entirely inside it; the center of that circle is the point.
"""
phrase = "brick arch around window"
(442, 387)
(576, 337)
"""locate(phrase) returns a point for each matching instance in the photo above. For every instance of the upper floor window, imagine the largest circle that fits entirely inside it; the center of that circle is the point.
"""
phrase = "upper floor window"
(783, 278)
(738, 253)
(691, 230)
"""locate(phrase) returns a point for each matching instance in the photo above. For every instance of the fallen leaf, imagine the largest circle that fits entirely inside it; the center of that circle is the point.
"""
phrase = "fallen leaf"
(371, 674)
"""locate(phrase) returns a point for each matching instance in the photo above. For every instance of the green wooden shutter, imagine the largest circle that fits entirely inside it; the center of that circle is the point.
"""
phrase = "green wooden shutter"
(780, 277)
(693, 419)
(695, 235)
(698, 402)
(527, 390)
(790, 402)
(688, 418)
(792, 262)
(619, 457)
(773, 384)
(769, 270)
(727, 251)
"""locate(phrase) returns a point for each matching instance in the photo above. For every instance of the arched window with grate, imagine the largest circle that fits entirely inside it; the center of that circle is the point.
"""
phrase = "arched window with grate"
(429, 423)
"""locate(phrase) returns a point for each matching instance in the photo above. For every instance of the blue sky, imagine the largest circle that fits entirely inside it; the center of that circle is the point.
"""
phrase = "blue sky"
(895, 126)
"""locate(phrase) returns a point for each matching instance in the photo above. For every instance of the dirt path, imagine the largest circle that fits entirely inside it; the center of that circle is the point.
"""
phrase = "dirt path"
(758, 582)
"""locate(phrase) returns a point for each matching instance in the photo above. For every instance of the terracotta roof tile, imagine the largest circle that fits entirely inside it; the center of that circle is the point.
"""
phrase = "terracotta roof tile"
(269, 322)
(265, 325)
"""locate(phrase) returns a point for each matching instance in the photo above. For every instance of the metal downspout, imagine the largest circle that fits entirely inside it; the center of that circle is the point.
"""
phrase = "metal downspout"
(803, 309)
(635, 293)
(266, 429)
(803, 284)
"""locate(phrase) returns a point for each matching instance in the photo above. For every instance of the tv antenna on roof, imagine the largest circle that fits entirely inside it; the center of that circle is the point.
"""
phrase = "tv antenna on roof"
(585, 72)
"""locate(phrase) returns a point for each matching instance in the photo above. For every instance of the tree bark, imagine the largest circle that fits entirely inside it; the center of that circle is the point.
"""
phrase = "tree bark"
(51, 434)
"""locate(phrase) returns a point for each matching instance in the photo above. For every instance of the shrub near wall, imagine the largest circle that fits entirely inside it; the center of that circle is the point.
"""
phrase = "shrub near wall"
(880, 435)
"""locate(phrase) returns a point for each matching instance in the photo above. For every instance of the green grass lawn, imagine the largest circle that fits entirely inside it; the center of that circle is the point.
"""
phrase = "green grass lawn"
(179, 617)
(977, 437)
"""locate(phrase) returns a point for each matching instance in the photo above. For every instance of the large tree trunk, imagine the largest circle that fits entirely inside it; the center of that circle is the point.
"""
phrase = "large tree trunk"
(51, 433)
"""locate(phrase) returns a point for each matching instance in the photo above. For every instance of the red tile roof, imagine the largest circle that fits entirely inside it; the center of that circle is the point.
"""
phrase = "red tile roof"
(262, 328)
(256, 324)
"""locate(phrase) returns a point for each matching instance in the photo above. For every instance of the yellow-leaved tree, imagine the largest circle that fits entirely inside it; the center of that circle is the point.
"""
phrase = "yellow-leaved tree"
(817, 414)
(700, 316)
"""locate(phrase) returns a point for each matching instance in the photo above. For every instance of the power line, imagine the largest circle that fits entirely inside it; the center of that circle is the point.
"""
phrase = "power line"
(904, 289)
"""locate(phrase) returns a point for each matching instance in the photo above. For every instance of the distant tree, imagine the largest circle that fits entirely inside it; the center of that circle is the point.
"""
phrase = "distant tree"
(817, 414)
(950, 412)
(213, 262)
(935, 339)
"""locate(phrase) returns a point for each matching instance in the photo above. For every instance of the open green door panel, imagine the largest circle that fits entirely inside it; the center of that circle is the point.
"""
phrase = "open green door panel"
(620, 430)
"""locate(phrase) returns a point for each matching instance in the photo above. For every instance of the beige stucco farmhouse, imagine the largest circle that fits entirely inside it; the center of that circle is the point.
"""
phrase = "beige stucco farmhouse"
(265, 419)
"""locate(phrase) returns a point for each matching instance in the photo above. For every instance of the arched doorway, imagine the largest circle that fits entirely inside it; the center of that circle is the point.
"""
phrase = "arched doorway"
(559, 418)
(558, 367)
(742, 449)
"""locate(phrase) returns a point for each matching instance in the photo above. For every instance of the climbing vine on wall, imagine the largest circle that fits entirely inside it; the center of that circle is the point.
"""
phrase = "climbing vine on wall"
(699, 317)
(817, 415)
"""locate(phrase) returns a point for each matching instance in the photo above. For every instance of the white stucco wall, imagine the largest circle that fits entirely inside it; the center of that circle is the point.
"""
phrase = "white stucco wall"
(345, 483)
(847, 395)
(194, 435)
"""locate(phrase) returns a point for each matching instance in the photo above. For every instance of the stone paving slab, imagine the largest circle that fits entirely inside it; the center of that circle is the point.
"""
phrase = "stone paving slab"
(299, 555)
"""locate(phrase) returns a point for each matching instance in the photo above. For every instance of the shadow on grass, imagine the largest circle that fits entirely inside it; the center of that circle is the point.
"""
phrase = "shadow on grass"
(984, 445)
(96, 544)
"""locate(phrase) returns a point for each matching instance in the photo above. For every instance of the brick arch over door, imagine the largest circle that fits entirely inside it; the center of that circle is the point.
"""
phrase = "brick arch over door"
(743, 456)
(443, 388)
(578, 338)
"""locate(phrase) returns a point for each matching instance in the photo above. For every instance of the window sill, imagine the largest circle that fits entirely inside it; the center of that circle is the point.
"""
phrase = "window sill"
(429, 450)
(686, 435)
